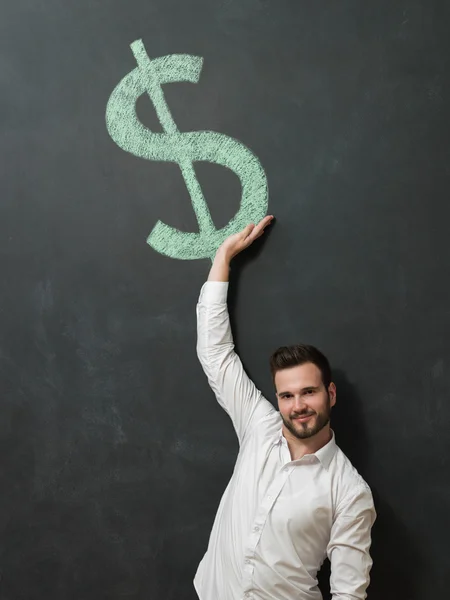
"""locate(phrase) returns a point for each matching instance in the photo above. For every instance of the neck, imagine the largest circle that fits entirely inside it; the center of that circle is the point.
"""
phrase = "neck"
(300, 447)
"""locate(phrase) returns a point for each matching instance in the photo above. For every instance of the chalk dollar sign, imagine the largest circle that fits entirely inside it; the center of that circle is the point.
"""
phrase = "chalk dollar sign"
(183, 148)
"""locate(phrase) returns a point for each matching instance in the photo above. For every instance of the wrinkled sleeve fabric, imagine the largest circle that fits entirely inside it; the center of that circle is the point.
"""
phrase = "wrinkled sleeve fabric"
(234, 390)
(349, 546)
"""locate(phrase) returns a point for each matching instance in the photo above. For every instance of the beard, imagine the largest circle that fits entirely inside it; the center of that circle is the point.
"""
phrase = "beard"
(306, 430)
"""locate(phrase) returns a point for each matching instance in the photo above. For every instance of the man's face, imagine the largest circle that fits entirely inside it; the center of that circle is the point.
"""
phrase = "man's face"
(303, 401)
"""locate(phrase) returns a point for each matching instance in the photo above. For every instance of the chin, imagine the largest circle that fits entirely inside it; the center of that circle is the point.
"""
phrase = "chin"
(305, 433)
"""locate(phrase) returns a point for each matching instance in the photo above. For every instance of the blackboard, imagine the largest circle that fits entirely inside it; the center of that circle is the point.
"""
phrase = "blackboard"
(114, 454)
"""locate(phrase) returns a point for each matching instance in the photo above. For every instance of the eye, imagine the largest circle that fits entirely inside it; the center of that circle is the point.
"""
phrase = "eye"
(309, 392)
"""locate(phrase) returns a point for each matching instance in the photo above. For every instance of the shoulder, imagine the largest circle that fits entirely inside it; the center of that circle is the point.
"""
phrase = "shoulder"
(352, 492)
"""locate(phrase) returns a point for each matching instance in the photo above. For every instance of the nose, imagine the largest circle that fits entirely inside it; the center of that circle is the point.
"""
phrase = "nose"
(299, 404)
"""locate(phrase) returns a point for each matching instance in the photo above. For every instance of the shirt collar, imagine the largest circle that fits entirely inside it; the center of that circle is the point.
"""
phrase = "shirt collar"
(324, 454)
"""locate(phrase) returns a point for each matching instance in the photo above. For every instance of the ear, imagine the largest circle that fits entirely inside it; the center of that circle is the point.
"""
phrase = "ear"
(332, 393)
(278, 399)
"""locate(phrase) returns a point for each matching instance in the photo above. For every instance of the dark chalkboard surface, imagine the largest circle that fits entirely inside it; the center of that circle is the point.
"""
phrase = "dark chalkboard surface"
(114, 454)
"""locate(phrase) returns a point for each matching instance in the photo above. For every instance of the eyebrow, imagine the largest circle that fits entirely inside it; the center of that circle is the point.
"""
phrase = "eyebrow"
(302, 391)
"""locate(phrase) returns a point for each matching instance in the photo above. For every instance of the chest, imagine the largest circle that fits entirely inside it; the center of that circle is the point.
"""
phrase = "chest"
(305, 504)
(297, 493)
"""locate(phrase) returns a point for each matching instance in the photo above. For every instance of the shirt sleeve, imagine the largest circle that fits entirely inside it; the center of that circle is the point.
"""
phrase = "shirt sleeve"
(349, 547)
(234, 390)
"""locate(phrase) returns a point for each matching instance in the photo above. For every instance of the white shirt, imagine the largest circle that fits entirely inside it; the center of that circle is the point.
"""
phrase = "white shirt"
(278, 519)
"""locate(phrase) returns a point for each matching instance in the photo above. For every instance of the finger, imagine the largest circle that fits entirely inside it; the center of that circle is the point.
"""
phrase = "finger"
(259, 229)
(247, 231)
(266, 221)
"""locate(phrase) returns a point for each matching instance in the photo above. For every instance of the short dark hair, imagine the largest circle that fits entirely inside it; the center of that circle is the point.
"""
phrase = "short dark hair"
(286, 357)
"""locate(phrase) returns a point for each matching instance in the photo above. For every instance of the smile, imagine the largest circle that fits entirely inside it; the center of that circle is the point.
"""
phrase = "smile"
(303, 419)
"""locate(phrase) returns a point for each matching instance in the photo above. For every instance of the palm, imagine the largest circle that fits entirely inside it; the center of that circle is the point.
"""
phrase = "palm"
(237, 242)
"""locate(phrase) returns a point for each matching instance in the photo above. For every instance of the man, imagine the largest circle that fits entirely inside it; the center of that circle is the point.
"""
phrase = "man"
(294, 497)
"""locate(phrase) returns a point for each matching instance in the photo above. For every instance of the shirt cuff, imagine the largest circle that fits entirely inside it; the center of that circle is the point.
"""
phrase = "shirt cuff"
(214, 292)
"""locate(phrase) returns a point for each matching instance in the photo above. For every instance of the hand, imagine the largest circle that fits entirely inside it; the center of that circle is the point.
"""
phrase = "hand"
(235, 243)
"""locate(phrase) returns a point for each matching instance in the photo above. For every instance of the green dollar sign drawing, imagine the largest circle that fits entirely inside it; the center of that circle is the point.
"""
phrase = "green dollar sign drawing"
(132, 136)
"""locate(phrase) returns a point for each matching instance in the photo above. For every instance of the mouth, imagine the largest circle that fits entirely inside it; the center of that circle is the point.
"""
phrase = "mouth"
(303, 418)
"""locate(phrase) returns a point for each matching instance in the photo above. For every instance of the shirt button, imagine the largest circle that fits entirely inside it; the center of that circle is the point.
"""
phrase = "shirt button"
(256, 529)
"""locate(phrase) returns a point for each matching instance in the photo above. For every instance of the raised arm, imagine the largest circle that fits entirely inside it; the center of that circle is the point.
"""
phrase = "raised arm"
(234, 390)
